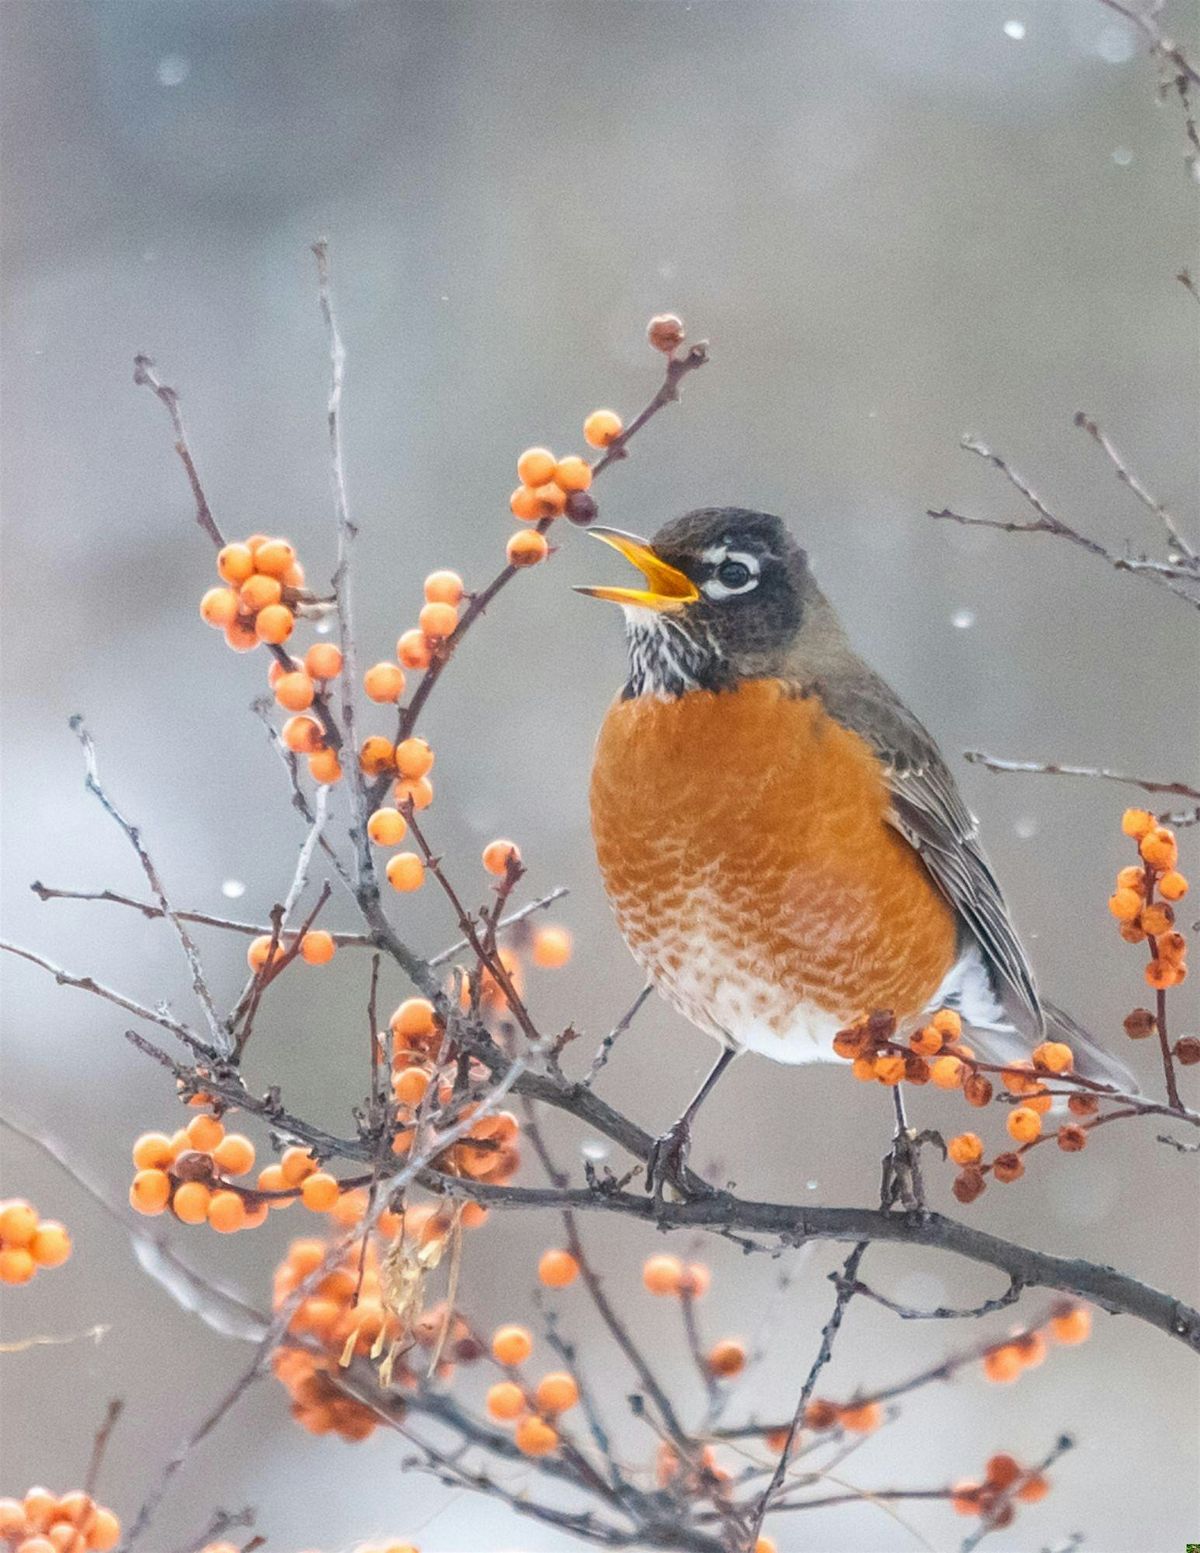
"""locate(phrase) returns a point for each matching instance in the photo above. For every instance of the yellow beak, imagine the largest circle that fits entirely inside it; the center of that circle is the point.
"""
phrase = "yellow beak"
(669, 588)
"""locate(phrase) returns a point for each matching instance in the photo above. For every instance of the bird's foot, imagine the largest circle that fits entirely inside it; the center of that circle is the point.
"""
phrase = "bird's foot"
(903, 1184)
(666, 1165)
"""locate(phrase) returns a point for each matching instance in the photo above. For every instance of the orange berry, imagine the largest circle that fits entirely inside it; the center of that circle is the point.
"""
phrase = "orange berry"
(1034, 1487)
(295, 1164)
(413, 650)
(524, 503)
(258, 591)
(274, 557)
(505, 1400)
(241, 635)
(12, 1517)
(862, 1417)
(727, 1358)
(444, 588)
(40, 1505)
(977, 1089)
(219, 607)
(1071, 1324)
(437, 621)
(511, 1345)
(1125, 904)
(966, 1148)
(204, 1132)
(526, 548)
(294, 691)
(414, 759)
(1002, 1365)
(965, 1497)
(405, 872)
(927, 1041)
(153, 1151)
(409, 1086)
(662, 1274)
(418, 793)
(889, 1068)
(765, 1545)
(557, 1269)
(323, 660)
(258, 954)
(535, 1437)
(51, 1246)
(1162, 975)
(948, 1023)
(602, 428)
(1053, 1057)
(324, 767)
(274, 624)
(946, 1073)
(377, 755)
(1002, 1471)
(235, 563)
(105, 1531)
(271, 1179)
(190, 1202)
(317, 947)
(387, 827)
(1071, 1138)
(551, 947)
(536, 466)
(1136, 822)
(234, 1155)
(302, 735)
(1172, 886)
(226, 1212)
(150, 1191)
(551, 499)
(319, 1191)
(496, 856)
(1023, 1125)
(665, 332)
(415, 1018)
(384, 682)
(557, 1392)
(863, 1069)
(17, 1264)
(1159, 848)
(573, 473)
(1156, 920)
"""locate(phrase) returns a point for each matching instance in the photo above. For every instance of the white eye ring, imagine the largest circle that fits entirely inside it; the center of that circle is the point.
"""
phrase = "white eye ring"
(714, 588)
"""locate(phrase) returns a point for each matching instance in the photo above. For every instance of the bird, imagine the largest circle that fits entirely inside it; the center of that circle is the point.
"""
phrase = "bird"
(781, 840)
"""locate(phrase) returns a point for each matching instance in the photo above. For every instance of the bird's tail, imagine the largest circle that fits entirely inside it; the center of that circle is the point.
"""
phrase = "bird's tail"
(1002, 1042)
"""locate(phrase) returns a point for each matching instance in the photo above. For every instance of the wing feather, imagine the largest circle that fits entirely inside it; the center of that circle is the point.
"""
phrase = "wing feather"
(928, 811)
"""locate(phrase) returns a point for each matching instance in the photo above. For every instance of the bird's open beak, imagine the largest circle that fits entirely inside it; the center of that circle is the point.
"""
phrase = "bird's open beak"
(668, 587)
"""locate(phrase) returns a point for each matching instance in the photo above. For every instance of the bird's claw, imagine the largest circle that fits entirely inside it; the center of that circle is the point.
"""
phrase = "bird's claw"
(666, 1164)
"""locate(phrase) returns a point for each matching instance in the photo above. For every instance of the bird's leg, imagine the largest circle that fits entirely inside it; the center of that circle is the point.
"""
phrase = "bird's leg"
(667, 1164)
(902, 1181)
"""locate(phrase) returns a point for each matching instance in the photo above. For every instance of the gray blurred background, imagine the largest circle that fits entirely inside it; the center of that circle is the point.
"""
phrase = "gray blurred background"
(896, 223)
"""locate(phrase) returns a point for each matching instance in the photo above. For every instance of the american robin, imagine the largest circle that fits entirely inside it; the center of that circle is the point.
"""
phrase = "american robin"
(782, 842)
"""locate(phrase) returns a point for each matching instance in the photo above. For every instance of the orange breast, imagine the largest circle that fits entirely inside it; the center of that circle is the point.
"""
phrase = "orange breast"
(744, 846)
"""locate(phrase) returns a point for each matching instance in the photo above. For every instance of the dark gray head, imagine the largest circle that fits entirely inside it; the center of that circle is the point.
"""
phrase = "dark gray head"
(729, 592)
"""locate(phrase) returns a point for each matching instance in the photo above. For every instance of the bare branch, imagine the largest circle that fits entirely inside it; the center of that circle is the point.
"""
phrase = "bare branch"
(145, 376)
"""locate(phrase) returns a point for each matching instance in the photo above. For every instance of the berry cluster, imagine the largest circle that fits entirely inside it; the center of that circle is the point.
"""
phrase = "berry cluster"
(349, 1313)
(192, 1173)
(1026, 1349)
(1004, 1481)
(27, 1242)
(533, 1411)
(43, 1522)
(300, 685)
(436, 624)
(1144, 899)
(263, 584)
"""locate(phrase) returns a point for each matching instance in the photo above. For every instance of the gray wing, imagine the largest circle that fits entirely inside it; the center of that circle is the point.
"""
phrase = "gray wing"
(928, 811)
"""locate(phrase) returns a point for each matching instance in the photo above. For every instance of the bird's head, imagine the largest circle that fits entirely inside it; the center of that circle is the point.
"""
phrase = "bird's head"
(728, 592)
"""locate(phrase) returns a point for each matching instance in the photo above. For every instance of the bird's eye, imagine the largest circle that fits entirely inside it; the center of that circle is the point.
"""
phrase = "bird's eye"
(733, 575)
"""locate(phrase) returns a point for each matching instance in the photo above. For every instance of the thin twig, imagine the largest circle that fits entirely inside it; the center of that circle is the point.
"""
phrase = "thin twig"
(1180, 548)
(91, 1477)
(145, 376)
(604, 1050)
(1061, 768)
(133, 835)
